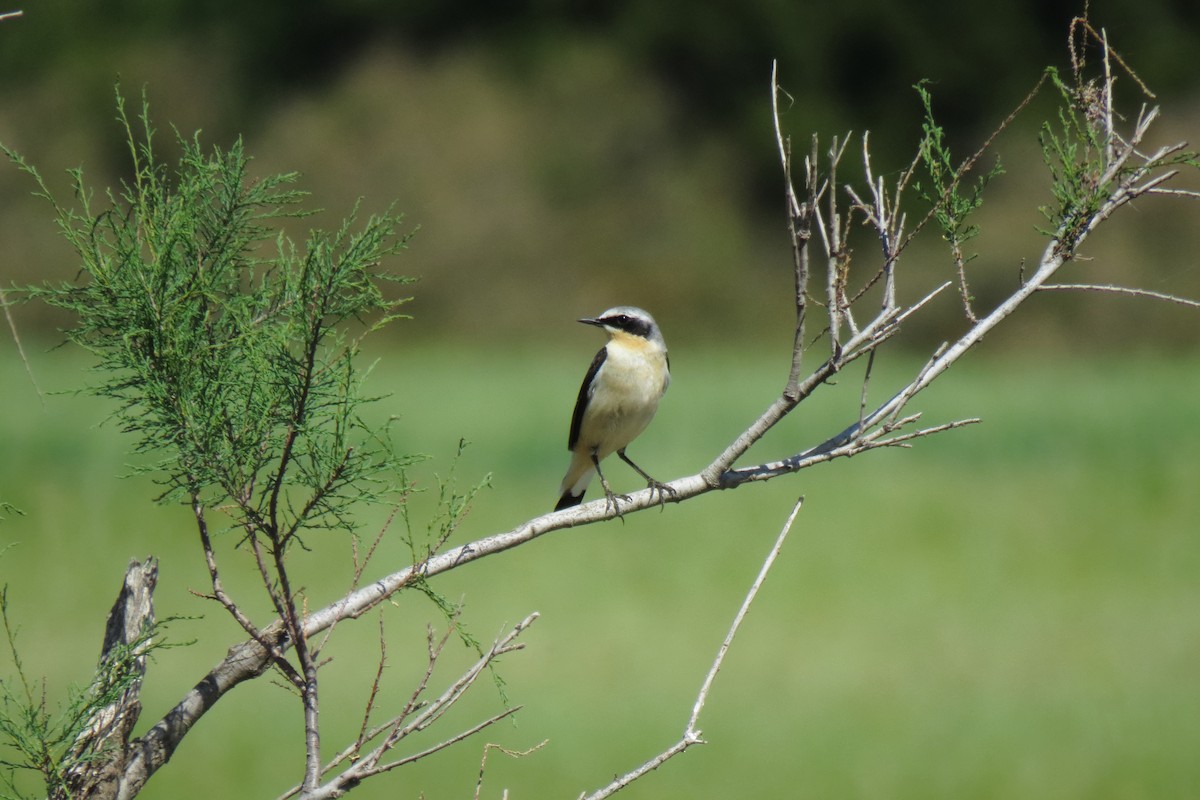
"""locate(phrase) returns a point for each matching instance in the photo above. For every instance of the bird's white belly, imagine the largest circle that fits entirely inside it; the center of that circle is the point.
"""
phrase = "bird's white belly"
(624, 399)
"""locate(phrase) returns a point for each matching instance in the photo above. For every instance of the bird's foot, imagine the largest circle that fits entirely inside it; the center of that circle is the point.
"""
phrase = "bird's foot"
(662, 490)
(610, 502)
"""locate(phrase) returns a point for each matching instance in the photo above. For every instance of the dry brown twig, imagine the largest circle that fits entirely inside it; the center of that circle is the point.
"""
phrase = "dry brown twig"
(511, 753)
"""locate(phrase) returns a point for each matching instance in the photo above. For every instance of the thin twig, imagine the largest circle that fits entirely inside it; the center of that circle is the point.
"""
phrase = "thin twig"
(798, 229)
(214, 576)
(12, 324)
(907, 437)
(374, 693)
(490, 746)
(1176, 192)
(360, 565)
(971, 160)
(1125, 290)
(437, 707)
(1078, 61)
(691, 735)
(702, 697)
(455, 739)
(414, 703)
(370, 764)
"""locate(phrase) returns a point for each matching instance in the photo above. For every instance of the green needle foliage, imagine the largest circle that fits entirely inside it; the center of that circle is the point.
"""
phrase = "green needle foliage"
(1082, 154)
(1074, 153)
(231, 353)
(952, 202)
(229, 349)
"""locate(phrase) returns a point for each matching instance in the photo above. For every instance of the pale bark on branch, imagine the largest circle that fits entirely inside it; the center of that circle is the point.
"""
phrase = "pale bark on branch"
(691, 733)
(99, 756)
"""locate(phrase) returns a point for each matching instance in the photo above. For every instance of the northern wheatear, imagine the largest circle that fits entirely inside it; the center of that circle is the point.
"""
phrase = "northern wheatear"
(617, 400)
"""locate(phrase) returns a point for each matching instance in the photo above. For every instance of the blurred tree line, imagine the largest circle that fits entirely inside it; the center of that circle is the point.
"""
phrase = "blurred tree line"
(715, 55)
(577, 153)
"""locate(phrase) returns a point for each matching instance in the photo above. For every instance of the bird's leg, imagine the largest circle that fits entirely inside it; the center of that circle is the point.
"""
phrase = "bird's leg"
(609, 496)
(655, 486)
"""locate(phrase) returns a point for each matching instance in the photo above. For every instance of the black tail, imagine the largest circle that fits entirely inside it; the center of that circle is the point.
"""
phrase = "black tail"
(568, 500)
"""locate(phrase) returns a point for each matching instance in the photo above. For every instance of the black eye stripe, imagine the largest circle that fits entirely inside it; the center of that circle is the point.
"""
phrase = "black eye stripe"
(624, 322)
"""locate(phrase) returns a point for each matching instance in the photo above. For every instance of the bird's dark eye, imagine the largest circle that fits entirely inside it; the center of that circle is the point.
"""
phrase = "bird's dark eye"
(622, 320)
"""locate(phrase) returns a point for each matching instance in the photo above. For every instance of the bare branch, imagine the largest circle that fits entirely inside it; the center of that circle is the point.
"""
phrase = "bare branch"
(360, 565)
(702, 697)
(1081, 25)
(455, 739)
(210, 561)
(434, 649)
(784, 146)
(1125, 290)
(355, 748)
(834, 234)
(487, 748)
(397, 729)
(12, 324)
(691, 735)
(96, 759)
(798, 228)
(905, 438)
(1174, 192)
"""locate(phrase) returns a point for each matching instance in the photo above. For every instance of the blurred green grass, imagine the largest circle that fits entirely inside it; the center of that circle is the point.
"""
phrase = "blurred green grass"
(1008, 610)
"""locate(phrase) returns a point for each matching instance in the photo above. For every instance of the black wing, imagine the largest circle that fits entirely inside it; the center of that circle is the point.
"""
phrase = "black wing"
(585, 392)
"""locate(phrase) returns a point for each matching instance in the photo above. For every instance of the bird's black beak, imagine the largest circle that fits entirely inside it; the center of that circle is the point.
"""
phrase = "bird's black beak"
(591, 321)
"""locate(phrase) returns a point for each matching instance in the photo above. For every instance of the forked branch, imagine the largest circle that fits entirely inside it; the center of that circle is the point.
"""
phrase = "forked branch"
(391, 733)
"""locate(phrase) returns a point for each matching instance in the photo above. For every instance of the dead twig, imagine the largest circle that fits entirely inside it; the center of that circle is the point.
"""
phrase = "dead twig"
(489, 747)
(691, 733)
(1123, 290)
(395, 730)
